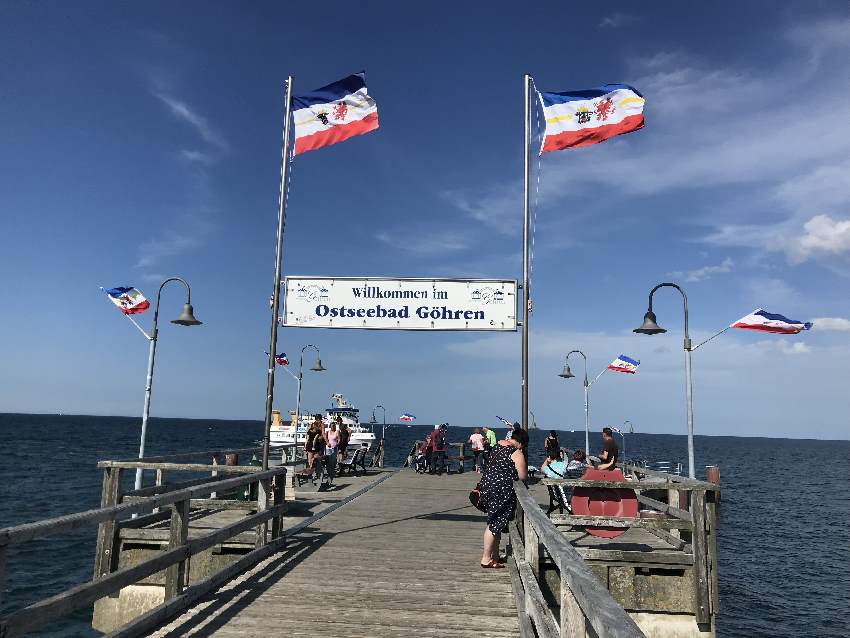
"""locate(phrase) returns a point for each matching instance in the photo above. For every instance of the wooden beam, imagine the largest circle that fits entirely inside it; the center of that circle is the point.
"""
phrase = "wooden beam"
(612, 521)
(666, 508)
(605, 615)
(535, 604)
(110, 495)
(619, 556)
(175, 575)
(702, 608)
(572, 620)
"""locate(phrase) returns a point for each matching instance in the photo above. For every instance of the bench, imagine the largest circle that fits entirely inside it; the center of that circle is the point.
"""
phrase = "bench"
(350, 464)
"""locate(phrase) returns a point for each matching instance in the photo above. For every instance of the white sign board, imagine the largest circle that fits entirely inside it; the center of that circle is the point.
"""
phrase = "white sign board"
(400, 304)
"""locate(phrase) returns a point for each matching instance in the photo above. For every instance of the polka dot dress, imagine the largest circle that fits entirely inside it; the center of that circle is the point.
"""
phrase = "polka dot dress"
(497, 488)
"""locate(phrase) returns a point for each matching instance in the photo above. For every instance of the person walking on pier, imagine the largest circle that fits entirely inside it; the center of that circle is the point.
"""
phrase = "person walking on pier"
(344, 436)
(505, 464)
(310, 440)
(477, 442)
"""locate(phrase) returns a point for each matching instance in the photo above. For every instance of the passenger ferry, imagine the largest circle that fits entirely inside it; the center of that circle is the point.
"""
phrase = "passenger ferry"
(361, 435)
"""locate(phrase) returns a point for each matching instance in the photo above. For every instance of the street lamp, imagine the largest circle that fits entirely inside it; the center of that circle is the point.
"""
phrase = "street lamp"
(623, 434)
(567, 374)
(186, 318)
(374, 422)
(317, 367)
(651, 327)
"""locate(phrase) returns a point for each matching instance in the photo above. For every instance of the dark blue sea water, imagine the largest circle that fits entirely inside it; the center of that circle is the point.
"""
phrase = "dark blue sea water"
(783, 544)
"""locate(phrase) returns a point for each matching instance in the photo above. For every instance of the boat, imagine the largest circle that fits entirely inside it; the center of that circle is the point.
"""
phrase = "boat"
(361, 435)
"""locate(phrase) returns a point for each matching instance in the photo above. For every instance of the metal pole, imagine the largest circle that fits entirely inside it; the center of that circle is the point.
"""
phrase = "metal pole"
(690, 401)
(281, 220)
(151, 357)
(297, 408)
(148, 386)
(586, 418)
(525, 253)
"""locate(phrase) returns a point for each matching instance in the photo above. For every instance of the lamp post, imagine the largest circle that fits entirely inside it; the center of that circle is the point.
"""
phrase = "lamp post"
(623, 434)
(317, 367)
(374, 422)
(186, 318)
(651, 327)
(566, 374)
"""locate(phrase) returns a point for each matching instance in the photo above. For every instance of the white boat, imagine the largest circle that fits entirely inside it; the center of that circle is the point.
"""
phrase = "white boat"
(361, 435)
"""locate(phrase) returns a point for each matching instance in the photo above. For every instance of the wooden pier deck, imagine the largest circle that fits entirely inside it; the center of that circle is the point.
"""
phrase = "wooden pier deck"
(402, 559)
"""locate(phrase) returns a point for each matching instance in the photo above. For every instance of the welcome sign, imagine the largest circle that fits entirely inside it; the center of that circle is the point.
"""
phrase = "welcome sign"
(400, 304)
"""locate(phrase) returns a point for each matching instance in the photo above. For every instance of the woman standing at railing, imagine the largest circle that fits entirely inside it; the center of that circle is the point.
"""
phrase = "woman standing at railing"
(506, 464)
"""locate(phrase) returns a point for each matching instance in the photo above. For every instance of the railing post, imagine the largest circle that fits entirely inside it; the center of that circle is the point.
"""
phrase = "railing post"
(278, 493)
(160, 481)
(110, 495)
(712, 499)
(532, 555)
(572, 617)
(214, 474)
(262, 506)
(175, 575)
(703, 605)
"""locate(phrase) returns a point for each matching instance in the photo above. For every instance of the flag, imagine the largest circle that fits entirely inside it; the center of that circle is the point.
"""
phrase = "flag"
(510, 424)
(333, 113)
(624, 364)
(582, 118)
(765, 321)
(128, 300)
(281, 359)
(407, 417)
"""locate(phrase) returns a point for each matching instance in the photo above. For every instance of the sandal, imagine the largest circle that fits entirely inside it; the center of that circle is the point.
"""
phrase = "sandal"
(493, 564)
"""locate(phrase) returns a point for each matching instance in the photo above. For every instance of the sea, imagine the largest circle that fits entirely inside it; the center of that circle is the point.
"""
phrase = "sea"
(784, 520)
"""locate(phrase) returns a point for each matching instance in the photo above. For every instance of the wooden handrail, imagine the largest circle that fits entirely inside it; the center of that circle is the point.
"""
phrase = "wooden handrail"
(53, 526)
(583, 597)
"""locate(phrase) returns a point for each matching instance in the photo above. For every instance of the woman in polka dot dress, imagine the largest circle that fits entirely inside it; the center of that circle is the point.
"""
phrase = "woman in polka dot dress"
(505, 464)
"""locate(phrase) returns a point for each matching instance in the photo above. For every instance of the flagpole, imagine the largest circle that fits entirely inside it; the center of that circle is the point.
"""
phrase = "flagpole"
(525, 253)
(281, 220)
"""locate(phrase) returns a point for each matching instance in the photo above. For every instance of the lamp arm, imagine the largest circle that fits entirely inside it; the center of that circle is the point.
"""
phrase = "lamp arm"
(684, 300)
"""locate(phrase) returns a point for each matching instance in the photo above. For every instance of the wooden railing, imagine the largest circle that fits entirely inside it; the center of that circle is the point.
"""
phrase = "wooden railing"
(584, 601)
(108, 579)
(687, 522)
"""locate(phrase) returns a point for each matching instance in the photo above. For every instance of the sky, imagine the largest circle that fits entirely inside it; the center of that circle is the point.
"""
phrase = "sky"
(143, 141)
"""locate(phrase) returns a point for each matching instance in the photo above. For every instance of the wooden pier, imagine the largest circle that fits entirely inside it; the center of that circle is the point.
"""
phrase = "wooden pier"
(380, 553)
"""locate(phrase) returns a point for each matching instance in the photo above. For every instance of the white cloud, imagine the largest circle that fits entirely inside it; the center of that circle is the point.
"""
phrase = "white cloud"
(767, 292)
(498, 206)
(183, 112)
(823, 236)
(831, 323)
(196, 156)
(166, 245)
(781, 345)
(425, 245)
(706, 272)
(617, 20)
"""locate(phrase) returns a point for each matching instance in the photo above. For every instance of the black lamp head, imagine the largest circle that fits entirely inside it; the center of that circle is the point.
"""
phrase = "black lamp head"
(318, 367)
(566, 373)
(187, 317)
(649, 326)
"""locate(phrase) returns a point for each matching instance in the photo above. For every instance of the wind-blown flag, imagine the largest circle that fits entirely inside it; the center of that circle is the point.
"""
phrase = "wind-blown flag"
(582, 118)
(281, 359)
(764, 321)
(128, 300)
(505, 421)
(407, 417)
(333, 113)
(624, 364)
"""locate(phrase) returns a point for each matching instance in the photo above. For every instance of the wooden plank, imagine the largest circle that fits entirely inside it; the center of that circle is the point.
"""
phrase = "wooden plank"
(572, 623)
(611, 521)
(682, 482)
(175, 575)
(207, 503)
(263, 487)
(183, 467)
(526, 629)
(703, 606)
(666, 508)
(712, 499)
(535, 604)
(655, 557)
(605, 615)
(52, 526)
(674, 541)
(104, 558)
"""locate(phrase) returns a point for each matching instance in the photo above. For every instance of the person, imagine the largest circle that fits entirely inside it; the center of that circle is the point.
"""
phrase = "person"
(318, 447)
(331, 450)
(577, 465)
(552, 447)
(438, 449)
(518, 434)
(314, 431)
(344, 437)
(506, 464)
(489, 439)
(427, 451)
(477, 442)
(609, 452)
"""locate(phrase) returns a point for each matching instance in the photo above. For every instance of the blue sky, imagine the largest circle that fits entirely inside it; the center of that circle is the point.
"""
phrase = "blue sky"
(143, 141)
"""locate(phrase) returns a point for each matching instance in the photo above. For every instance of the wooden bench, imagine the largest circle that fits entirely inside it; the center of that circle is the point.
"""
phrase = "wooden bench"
(349, 465)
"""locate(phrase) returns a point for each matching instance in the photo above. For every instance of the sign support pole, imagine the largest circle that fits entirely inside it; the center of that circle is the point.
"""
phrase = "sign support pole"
(525, 254)
(281, 221)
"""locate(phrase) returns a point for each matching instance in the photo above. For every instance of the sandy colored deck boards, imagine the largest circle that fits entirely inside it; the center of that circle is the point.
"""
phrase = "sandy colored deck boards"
(400, 560)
